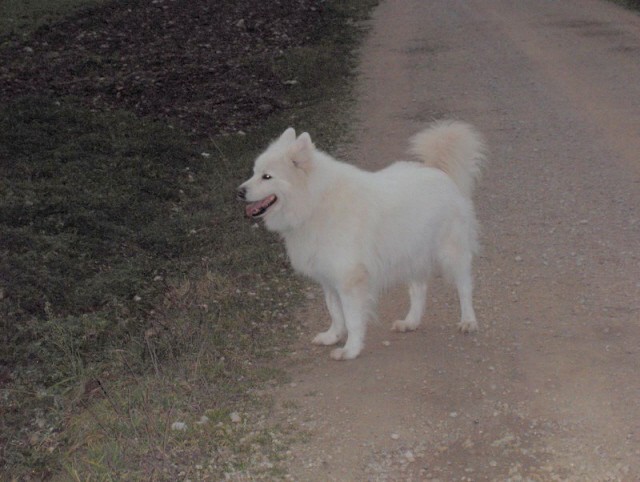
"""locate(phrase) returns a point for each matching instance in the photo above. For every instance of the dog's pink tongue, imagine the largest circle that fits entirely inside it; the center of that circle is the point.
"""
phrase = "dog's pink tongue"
(255, 207)
(252, 208)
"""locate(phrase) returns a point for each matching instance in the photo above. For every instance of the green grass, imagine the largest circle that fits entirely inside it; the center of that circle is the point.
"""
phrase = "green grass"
(77, 183)
(125, 256)
(631, 4)
(23, 16)
(132, 292)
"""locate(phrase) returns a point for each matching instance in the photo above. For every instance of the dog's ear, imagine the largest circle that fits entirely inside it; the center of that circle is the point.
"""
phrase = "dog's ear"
(288, 136)
(302, 152)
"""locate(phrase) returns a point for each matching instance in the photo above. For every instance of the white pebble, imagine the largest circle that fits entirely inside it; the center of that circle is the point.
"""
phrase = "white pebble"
(204, 419)
(179, 426)
(235, 417)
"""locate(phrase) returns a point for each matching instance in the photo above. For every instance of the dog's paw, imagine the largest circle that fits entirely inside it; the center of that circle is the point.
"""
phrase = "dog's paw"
(403, 326)
(326, 338)
(343, 354)
(468, 326)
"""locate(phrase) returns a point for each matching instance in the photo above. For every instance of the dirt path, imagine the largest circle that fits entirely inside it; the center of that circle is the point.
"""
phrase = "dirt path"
(550, 387)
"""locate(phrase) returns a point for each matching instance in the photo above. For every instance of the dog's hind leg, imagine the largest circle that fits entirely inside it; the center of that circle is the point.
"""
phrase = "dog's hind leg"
(337, 330)
(460, 270)
(455, 258)
(418, 298)
(464, 284)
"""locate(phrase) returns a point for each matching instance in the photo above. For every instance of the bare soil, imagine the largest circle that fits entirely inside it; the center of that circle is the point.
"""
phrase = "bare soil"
(208, 64)
(549, 388)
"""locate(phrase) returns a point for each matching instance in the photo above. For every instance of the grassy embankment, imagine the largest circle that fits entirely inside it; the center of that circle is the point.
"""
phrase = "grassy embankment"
(132, 293)
(631, 4)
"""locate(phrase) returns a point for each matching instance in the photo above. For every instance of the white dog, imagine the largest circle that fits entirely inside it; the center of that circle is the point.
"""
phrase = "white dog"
(357, 232)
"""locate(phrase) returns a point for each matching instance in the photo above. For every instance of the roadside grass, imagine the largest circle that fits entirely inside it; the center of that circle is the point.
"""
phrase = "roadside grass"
(630, 4)
(124, 255)
(129, 294)
(23, 16)
(133, 296)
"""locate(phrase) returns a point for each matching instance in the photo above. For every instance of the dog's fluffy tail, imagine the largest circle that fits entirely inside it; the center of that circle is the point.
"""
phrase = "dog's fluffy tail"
(453, 147)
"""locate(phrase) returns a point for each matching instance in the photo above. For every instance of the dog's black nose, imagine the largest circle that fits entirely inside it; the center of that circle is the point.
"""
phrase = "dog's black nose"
(241, 193)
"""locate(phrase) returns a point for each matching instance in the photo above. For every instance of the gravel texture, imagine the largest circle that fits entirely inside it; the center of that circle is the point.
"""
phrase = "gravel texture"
(547, 389)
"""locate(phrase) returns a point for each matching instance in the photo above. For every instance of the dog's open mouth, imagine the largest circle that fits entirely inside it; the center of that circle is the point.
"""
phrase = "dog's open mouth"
(258, 208)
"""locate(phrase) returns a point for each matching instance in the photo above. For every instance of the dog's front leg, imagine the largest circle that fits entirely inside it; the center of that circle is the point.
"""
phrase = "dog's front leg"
(355, 300)
(337, 330)
(354, 307)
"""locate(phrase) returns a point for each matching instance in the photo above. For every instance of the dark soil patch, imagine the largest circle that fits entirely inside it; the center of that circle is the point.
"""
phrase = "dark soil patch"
(209, 63)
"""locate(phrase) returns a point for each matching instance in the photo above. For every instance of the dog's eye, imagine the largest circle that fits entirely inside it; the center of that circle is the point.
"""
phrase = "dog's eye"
(266, 177)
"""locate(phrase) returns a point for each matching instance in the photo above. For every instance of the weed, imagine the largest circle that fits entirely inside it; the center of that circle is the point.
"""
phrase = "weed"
(161, 273)
(631, 4)
(20, 16)
(132, 293)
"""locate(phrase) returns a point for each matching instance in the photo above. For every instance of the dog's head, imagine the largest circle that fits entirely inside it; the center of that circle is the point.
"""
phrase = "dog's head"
(280, 176)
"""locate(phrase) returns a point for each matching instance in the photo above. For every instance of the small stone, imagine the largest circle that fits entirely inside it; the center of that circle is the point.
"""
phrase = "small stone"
(235, 417)
(386, 343)
(395, 436)
(453, 414)
(181, 426)
(204, 419)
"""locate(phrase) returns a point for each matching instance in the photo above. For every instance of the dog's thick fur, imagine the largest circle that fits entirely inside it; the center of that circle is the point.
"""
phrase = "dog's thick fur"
(357, 232)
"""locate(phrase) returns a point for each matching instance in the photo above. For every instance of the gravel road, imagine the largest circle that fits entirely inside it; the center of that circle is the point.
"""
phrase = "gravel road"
(549, 389)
